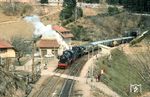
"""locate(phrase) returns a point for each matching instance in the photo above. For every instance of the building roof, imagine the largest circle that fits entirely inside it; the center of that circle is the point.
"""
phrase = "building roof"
(65, 33)
(60, 29)
(47, 43)
(69, 35)
(5, 44)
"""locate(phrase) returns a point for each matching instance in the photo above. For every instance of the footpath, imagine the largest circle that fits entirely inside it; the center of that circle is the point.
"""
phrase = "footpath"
(86, 86)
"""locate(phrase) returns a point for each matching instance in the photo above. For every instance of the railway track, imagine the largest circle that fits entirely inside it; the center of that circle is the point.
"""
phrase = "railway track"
(75, 70)
(56, 86)
(50, 85)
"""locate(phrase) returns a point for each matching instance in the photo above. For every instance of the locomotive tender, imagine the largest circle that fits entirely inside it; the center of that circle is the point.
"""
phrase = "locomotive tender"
(69, 56)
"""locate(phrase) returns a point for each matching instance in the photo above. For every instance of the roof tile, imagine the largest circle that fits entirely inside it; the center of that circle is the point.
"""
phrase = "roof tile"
(65, 33)
(47, 43)
(5, 44)
(60, 28)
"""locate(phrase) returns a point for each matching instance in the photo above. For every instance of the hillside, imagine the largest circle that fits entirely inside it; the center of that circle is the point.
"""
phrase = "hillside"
(101, 25)
(128, 65)
(95, 23)
(15, 25)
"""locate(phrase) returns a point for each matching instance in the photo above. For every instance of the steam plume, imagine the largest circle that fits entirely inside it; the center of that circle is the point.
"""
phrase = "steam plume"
(45, 31)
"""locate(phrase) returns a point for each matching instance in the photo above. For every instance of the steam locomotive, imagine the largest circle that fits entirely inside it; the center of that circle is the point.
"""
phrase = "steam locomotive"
(69, 56)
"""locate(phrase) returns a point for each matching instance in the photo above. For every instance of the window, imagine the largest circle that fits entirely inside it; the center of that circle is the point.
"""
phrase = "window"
(3, 50)
(44, 52)
(54, 51)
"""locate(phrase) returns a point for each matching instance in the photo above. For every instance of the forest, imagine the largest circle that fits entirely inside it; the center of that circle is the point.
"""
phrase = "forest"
(139, 6)
(132, 5)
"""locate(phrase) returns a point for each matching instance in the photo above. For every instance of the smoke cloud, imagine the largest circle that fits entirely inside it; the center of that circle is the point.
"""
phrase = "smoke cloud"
(46, 31)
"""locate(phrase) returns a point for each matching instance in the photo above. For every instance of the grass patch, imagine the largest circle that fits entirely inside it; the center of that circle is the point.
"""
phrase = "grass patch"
(120, 74)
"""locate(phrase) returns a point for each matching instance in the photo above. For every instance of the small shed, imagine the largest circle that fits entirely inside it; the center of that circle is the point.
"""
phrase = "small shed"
(48, 47)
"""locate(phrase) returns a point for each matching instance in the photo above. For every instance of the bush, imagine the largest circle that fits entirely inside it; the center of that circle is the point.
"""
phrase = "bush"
(68, 15)
(27, 9)
(112, 1)
(113, 10)
(92, 1)
(43, 1)
(80, 33)
(16, 8)
(70, 12)
(79, 12)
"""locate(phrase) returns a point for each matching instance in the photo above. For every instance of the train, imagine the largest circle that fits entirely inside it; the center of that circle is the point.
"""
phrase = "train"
(69, 56)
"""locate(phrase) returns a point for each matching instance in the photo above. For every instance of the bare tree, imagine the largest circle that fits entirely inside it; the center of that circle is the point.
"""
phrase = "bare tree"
(21, 46)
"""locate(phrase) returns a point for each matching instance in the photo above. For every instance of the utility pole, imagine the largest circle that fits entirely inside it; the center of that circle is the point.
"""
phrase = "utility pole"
(34, 40)
(7, 64)
(92, 63)
(33, 65)
(76, 11)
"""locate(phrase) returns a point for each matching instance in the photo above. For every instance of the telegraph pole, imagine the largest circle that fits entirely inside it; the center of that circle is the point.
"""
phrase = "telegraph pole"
(76, 11)
(34, 40)
(33, 65)
(92, 63)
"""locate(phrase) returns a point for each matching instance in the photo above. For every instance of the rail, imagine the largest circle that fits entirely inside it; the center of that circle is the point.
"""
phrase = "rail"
(49, 87)
(67, 88)
(69, 83)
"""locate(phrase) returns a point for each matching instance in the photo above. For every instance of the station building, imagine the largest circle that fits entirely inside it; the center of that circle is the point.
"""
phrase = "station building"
(49, 46)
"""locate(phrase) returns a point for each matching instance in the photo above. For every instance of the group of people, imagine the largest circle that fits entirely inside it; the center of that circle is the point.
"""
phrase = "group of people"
(98, 76)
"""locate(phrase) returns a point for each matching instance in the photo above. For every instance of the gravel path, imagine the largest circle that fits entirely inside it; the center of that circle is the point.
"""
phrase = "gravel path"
(87, 86)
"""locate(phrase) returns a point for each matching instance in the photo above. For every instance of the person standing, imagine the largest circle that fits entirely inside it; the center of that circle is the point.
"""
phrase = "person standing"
(99, 77)
(45, 67)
